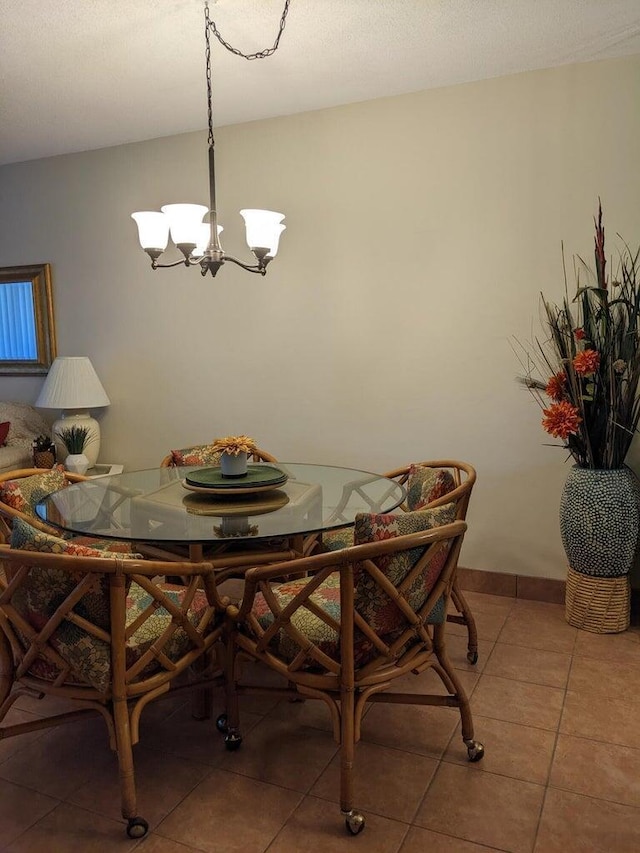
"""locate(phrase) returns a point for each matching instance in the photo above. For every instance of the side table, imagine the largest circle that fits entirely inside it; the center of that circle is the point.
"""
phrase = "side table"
(104, 469)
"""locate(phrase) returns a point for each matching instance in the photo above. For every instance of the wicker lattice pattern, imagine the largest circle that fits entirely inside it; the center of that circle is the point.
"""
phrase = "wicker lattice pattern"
(597, 604)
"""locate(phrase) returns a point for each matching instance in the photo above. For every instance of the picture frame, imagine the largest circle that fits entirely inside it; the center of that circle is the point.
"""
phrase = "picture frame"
(27, 322)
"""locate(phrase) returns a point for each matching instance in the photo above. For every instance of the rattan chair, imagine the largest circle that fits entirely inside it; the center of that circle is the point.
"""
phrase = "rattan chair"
(21, 490)
(102, 630)
(21, 504)
(360, 618)
(203, 454)
(430, 484)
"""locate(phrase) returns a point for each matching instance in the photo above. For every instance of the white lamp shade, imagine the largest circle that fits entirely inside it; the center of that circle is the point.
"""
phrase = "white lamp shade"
(185, 221)
(204, 234)
(263, 229)
(72, 383)
(153, 229)
(273, 251)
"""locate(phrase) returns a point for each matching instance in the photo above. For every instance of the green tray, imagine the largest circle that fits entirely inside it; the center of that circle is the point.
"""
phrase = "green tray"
(257, 476)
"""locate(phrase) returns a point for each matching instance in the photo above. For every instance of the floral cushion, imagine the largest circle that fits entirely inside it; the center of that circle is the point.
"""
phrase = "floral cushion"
(46, 588)
(426, 484)
(326, 597)
(113, 545)
(90, 658)
(24, 493)
(369, 597)
(372, 602)
(336, 540)
(201, 454)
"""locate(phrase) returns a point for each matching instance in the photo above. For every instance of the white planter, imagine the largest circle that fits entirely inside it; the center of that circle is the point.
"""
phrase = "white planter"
(232, 465)
(77, 463)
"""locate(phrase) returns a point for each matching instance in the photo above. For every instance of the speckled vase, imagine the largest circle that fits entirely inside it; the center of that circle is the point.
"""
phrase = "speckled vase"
(600, 520)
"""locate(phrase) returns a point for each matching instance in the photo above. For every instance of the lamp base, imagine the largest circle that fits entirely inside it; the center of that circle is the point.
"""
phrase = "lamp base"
(69, 419)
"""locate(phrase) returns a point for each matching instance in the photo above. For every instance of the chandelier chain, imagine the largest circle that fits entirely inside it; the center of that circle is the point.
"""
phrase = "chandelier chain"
(210, 26)
(260, 54)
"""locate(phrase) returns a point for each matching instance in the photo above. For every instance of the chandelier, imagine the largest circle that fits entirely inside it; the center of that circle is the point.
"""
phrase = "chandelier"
(194, 228)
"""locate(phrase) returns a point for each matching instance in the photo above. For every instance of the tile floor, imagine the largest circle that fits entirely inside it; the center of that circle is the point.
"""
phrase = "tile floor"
(555, 707)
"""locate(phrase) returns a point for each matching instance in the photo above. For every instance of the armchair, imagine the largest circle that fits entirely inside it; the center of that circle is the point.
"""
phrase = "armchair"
(429, 485)
(101, 629)
(357, 619)
(20, 491)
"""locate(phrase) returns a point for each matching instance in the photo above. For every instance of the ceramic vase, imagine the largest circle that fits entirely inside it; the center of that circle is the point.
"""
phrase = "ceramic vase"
(232, 465)
(77, 463)
(600, 520)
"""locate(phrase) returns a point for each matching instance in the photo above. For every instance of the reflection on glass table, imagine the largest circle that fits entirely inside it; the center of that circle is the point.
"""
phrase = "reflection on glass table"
(160, 506)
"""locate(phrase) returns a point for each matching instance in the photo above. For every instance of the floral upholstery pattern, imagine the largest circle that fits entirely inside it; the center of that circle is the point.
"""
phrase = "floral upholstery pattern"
(326, 597)
(200, 454)
(46, 588)
(426, 484)
(24, 493)
(373, 603)
(370, 601)
(89, 657)
(336, 540)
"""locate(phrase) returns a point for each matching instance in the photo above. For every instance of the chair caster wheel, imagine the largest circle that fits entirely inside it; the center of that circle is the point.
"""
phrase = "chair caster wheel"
(221, 724)
(232, 741)
(472, 657)
(354, 822)
(137, 827)
(475, 750)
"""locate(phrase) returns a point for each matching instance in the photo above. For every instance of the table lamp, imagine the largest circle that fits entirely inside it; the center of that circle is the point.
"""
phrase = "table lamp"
(72, 385)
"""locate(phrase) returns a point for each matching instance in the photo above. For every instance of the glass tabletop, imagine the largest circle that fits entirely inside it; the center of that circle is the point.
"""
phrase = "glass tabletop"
(168, 505)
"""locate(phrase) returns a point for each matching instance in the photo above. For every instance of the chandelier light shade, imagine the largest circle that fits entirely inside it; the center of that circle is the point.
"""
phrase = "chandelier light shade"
(72, 385)
(193, 228)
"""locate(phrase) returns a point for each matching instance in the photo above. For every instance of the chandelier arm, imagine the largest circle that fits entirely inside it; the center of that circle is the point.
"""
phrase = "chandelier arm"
(185, 262)
(257, 268)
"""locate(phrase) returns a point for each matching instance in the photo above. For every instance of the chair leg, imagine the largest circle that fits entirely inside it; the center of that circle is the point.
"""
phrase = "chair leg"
(465, 618)
(7, 668)
(229, 722)
(354, 820)
(202, 699)
(475, 750)
(137, 827)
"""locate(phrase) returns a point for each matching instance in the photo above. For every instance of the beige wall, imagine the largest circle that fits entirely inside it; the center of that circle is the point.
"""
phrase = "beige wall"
(420, 231)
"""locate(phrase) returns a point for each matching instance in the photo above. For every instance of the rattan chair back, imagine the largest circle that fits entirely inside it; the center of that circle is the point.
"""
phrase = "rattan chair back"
(103, 631)
(257, 456)
(8, 513)
(324, 632)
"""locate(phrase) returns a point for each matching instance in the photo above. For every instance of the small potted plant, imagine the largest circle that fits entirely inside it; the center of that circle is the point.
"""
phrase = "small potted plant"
(75, 440)
(44, 452)
(234, 450)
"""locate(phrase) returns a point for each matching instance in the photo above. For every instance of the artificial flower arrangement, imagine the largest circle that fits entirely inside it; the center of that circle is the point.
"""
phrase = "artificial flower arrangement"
(585, 375)
(234, 445)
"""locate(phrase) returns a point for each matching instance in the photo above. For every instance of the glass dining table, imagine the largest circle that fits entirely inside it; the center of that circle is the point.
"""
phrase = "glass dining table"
(280, 511)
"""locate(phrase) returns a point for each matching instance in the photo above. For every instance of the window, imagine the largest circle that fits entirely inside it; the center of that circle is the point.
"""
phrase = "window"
(27, 331)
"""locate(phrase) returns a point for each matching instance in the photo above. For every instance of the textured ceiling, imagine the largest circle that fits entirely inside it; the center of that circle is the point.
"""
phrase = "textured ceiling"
(83, 74)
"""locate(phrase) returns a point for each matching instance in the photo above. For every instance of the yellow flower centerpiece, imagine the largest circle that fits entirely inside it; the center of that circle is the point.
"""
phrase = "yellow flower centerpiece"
(234, 450)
